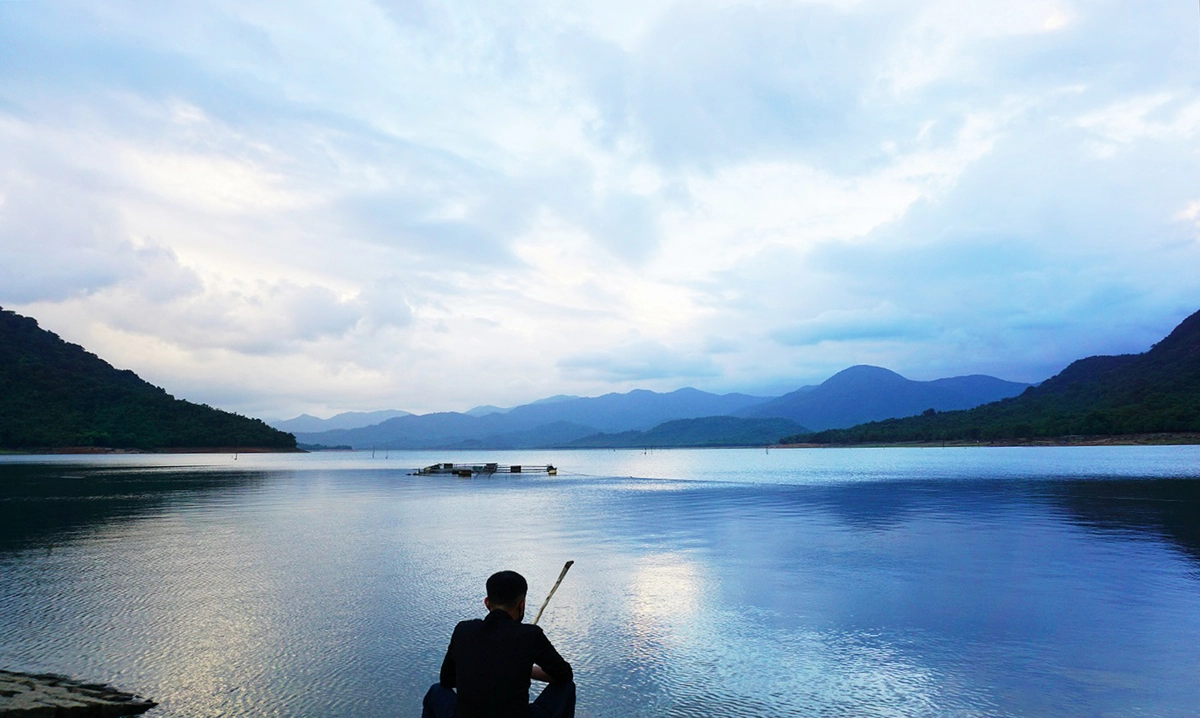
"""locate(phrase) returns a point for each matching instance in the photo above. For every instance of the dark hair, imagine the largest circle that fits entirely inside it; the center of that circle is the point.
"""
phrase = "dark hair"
(506, 588)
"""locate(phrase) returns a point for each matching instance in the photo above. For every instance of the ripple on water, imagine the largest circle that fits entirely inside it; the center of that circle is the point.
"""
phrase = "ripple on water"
(315, 589)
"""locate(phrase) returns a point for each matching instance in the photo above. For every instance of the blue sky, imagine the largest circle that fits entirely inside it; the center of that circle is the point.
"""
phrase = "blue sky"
(318, 206)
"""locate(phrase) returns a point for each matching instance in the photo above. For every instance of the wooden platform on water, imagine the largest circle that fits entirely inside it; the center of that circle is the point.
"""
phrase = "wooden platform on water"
(467, 470)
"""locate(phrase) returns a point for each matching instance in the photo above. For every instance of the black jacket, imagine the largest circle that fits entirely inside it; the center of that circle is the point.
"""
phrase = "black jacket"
(489, 661)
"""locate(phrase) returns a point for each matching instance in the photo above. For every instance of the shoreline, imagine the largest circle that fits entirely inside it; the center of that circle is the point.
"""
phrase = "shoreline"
(1157, 439)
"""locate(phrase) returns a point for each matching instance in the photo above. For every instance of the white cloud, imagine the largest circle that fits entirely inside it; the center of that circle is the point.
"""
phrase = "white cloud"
(884, 322)
(640, 361)
(945, 39)
(1161, 117)
(428, 206)
(1191, 213)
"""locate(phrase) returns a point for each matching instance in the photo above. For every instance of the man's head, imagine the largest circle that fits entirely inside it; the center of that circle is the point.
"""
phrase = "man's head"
(506, 591)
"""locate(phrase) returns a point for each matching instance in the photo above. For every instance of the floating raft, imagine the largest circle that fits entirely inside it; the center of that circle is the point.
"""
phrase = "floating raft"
(466, 471)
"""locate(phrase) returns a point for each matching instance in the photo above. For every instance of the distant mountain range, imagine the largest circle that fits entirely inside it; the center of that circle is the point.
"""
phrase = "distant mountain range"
(550, 422)
(1156, 391)
(686, 417)
(705, 431)
(54, 395)
(345, 420)
(869, 393)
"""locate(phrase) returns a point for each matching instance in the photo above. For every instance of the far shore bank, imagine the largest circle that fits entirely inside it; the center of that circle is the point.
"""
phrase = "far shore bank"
(174, 450)
(1163, 439)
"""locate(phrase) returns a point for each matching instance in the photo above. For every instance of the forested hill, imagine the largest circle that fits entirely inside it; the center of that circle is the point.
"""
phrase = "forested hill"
(54, 394)
(1157, 391)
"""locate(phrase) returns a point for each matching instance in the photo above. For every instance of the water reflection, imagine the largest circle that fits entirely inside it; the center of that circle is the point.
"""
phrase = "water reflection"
(332, 591)
(45, 504)
(665, 588)
(1168, 508)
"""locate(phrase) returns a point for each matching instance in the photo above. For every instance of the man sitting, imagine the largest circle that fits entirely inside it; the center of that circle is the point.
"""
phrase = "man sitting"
(492, 660)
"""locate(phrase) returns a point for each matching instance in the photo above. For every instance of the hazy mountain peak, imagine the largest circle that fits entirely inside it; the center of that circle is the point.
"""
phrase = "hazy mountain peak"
(554, 399)
(486, 409)
(862, 373)
(864, 393)
(346, 420)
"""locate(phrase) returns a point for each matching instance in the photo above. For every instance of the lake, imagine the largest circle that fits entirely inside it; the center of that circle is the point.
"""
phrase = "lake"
(833, 582)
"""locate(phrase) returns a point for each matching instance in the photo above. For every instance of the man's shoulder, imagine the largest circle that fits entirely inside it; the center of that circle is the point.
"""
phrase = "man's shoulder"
(471, 624)
(525, 631)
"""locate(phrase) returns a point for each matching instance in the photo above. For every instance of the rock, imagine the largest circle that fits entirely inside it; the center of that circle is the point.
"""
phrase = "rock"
(49, 696)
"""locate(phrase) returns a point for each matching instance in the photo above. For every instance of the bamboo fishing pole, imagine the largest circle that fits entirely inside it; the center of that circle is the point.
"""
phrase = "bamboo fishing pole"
(566, 567)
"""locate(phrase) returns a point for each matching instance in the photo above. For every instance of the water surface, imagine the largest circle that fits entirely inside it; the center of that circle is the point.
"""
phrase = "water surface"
(866, 582)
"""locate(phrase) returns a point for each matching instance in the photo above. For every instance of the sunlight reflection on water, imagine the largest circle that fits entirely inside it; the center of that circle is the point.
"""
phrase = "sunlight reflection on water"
(874, 583)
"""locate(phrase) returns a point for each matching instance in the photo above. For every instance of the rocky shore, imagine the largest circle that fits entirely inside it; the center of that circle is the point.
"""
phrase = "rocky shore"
(27, 695)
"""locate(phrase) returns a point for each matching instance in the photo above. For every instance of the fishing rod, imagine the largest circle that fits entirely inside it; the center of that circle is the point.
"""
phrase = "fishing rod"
(566, 567)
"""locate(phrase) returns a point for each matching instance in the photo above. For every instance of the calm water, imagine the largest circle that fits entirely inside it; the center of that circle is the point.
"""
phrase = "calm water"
(891, 582)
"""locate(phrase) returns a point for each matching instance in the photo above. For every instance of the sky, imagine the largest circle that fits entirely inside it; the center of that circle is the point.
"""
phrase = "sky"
(277, 208)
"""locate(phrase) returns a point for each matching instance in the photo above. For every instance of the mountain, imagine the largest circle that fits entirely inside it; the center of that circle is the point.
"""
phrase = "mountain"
(638, 409)
(559, 433)
(705, 431)
(855, 395)
(425, 431)
(54, 394)
(556, 398)
(542, 423)
(485, 409)
(1156, 391)
(345, 420)
(451, 430)
(869, 393)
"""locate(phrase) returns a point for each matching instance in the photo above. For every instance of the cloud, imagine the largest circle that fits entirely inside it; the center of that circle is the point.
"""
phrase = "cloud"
(640, 361)
(885, 322)
(316, 207)
(160, 277)
(278, 319)
(56, 253)
(386, 303)
(58, 241)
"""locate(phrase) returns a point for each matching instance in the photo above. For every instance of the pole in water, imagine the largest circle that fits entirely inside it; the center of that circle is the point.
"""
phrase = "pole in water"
(566, 567)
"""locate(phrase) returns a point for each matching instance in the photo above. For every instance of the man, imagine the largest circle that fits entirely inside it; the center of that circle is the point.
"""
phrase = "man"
(492, 661)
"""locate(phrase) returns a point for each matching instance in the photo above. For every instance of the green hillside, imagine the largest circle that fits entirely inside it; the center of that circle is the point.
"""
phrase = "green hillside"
(1158, 391)
(54, 394)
